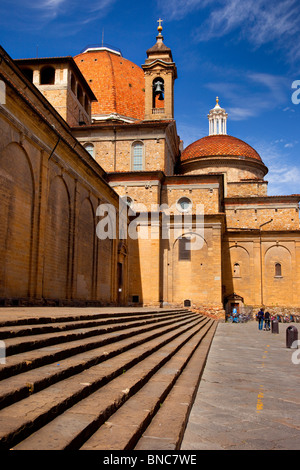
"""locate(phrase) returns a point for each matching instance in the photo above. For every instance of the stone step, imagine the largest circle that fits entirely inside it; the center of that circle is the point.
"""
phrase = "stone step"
(10, 329)
(40, 318)
(17, 345)
(24, 417)
(56, 351)
(124, 428)
(117, 380)
(24, 384)
(166, 430)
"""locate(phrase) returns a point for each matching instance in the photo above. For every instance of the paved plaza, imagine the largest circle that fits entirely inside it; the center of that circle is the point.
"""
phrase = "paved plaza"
(248, 398)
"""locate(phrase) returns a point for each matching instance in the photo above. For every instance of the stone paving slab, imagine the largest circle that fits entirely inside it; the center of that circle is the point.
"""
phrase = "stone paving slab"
(248, 398)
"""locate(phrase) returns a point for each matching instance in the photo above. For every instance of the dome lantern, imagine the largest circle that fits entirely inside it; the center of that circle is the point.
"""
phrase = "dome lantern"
(217, 118)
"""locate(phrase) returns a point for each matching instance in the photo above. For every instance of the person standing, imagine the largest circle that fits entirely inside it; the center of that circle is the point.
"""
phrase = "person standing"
(267, 321)
(260, 318)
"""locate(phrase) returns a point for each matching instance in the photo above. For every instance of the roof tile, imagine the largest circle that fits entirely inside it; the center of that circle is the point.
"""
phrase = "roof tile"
(219, 145)
(117, 83)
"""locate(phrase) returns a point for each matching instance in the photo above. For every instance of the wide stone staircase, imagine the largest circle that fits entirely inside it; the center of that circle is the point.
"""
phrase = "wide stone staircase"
(110, 381)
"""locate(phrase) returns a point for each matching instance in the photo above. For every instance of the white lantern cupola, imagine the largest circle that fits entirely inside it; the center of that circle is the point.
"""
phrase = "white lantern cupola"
(217, 118)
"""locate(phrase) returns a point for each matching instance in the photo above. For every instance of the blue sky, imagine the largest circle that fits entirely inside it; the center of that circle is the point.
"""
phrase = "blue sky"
(247, 52)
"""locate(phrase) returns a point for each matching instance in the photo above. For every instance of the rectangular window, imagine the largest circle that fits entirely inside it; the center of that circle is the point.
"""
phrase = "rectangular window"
(278, 270)
(184, 252)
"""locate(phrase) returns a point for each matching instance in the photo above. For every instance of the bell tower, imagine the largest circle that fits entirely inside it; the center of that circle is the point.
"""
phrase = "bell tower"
(160, 73)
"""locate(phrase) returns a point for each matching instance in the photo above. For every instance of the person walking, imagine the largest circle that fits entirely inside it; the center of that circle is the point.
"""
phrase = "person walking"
(260, 318)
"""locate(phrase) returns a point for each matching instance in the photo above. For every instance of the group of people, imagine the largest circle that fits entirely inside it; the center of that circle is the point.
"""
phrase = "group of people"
(264, 319)
(235, 317)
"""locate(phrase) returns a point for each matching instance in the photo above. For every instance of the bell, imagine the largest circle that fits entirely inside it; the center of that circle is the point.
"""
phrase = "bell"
(158, 88)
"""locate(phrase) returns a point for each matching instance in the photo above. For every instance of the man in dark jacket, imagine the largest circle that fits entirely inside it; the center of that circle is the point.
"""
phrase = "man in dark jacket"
(260, 318)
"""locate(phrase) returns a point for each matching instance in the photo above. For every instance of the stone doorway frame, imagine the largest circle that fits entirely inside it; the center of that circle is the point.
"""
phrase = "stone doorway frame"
(233, 300)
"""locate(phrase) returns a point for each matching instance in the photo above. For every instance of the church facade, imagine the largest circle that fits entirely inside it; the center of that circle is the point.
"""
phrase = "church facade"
(96, 129)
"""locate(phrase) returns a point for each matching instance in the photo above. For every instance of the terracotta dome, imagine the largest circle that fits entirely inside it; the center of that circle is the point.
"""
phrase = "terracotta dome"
(219, 146)
(117, 83)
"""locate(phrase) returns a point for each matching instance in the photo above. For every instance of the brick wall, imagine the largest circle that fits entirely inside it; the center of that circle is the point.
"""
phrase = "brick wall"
(247, 189)
(241, 216)
(256, 280)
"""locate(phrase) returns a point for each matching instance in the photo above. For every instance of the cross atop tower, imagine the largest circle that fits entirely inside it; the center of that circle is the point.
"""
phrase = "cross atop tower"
(159, 29)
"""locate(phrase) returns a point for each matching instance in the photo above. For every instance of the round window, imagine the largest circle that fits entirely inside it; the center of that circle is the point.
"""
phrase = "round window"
(128, 201)
(184, 204)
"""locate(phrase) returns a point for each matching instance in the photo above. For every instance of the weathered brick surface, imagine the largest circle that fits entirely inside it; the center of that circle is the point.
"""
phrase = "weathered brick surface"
(251, 188)
(16, 193)
(253, 215)
(236, 173)
(62, 93)
(115, 152)
(48, 243)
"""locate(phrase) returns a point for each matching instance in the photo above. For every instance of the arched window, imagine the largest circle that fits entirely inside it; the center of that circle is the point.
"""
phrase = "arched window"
(137, 156)
(89, 148)
(158, 93)
(48, 76)
(278, 270)
(236, 270)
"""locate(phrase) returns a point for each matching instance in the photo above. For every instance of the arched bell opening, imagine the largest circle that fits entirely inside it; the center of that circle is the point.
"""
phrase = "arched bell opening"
(158, 100)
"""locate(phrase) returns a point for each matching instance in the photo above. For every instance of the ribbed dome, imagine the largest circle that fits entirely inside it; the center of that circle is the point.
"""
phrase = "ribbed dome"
(117, 83)
(219, 146)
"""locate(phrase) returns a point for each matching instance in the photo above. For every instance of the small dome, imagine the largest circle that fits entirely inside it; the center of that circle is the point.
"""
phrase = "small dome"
(219, 146)
(118, 84)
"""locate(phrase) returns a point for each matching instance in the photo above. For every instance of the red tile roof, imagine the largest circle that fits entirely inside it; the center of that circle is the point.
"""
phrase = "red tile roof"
(219, 145)
(117, 83)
